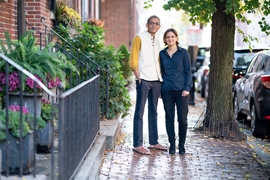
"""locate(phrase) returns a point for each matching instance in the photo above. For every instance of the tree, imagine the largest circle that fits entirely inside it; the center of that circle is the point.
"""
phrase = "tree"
(222, 14)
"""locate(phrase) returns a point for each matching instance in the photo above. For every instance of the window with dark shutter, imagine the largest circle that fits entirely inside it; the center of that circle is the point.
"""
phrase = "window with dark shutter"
(52, 5)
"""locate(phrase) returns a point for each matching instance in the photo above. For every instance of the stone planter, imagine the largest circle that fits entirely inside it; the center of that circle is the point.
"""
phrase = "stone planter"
(14, 154)
(44, 138)
(27, 101)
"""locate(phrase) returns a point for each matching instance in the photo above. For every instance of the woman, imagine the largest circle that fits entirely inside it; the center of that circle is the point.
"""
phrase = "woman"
(177, 81)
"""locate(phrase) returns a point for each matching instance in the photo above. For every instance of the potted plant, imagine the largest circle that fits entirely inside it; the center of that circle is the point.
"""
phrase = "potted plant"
(65, 15)
(48, 66)
(15, 113)
(49, 114)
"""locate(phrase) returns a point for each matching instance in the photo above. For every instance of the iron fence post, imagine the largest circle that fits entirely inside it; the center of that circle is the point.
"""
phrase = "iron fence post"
(107, 89)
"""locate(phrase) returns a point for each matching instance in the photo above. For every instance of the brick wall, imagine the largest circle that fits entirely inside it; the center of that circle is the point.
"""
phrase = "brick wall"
(119, 21)
(35, 9)
(8, 18)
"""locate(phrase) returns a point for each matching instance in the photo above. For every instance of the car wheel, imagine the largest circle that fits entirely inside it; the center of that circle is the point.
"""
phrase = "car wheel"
(258, 127)
(237, 115)
(202, 90)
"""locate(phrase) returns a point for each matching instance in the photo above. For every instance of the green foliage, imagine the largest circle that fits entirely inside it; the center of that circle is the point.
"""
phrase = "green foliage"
(201, 11)
(124, 61)
(90, 40)
(14, 123)
(119, 99)
(46, 111)
(247, 38)
(28, 55)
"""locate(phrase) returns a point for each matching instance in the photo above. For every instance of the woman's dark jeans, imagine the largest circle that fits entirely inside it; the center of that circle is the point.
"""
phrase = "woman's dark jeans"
(147, 90)
(170, 99)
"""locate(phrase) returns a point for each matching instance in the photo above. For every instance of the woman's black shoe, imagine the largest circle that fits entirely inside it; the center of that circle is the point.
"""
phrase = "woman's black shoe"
(182, 150)
(172, 149)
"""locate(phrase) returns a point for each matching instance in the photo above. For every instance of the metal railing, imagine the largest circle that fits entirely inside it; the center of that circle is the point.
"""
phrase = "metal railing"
(79, 120)
(78, 108)
(19, 153)
(80, 105)
(85, 65)
(218, 128)
(79, 124)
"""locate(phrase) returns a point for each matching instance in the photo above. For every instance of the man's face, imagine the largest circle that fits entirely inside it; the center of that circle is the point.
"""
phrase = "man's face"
(153, 25)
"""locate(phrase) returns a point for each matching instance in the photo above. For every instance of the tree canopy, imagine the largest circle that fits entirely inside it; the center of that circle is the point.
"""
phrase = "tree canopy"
(201, 11)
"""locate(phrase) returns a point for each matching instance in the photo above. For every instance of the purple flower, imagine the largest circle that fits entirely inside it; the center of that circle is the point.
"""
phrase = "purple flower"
(14, 82)
(17, 108)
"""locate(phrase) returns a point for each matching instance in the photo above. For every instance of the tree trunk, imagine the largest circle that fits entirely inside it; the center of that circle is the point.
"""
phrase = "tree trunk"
(219, 102)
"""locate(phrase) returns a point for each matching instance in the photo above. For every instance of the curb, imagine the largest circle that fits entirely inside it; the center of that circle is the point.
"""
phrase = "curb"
(110, 130)
(106, 140)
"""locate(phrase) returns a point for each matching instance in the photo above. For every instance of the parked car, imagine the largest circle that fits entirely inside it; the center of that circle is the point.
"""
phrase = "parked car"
(252, 95)
(201, 56)
(242, 58)
(200, 75)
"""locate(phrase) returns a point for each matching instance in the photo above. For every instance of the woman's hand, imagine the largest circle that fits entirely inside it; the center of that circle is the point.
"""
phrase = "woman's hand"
(185, 93)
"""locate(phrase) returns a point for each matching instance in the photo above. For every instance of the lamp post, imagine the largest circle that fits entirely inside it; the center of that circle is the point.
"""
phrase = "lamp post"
(193, 69)
(194, 39)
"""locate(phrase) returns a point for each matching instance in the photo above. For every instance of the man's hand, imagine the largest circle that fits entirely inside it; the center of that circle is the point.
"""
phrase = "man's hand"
(137, 75)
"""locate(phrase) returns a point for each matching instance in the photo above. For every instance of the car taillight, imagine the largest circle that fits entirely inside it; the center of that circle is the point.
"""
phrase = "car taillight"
(266, 81)
(267, 117)
(205, 71)
(236, 75)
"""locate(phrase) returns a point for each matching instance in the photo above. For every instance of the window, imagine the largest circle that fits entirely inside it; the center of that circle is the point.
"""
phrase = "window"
(258, 63)
(52, 5)
(85, 10)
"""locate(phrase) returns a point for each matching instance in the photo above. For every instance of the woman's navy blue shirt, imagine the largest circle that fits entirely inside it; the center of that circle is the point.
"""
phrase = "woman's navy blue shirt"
(176, 71)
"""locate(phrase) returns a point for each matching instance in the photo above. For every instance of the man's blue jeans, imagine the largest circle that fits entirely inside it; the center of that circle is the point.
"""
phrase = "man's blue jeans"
(147, 90)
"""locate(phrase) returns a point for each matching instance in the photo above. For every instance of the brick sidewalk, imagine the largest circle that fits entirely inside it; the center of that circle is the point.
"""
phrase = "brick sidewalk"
(205, 158)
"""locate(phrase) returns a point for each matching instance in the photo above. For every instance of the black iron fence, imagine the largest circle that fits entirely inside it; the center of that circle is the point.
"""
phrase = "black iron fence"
(86, 67)
(218, 128)
(21, 123)
(79, 125)
(77, 110)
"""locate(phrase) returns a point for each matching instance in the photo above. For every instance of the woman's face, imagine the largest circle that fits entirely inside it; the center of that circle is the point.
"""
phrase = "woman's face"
(170, 39)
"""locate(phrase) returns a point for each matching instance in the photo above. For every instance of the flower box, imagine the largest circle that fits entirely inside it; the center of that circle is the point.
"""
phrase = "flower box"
(14, 154)
(44, 138)
(28, 100)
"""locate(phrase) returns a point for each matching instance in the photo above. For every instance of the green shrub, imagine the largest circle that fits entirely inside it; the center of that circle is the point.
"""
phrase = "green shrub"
(124, 61)
(14, 117)
(90, 40)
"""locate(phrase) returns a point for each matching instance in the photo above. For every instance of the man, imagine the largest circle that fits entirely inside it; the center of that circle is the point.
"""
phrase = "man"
(144, 63)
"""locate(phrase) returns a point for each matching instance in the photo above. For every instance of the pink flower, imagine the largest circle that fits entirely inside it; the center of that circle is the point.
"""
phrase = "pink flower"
(14, 83)
(53, 83)
(17, 108)
(45, 101)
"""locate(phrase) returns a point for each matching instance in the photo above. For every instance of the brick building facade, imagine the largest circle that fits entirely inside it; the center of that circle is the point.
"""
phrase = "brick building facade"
(8, 18)
(120, 19)
(34, 10)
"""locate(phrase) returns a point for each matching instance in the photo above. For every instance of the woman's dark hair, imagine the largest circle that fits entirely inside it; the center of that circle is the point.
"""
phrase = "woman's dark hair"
(166, 32)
